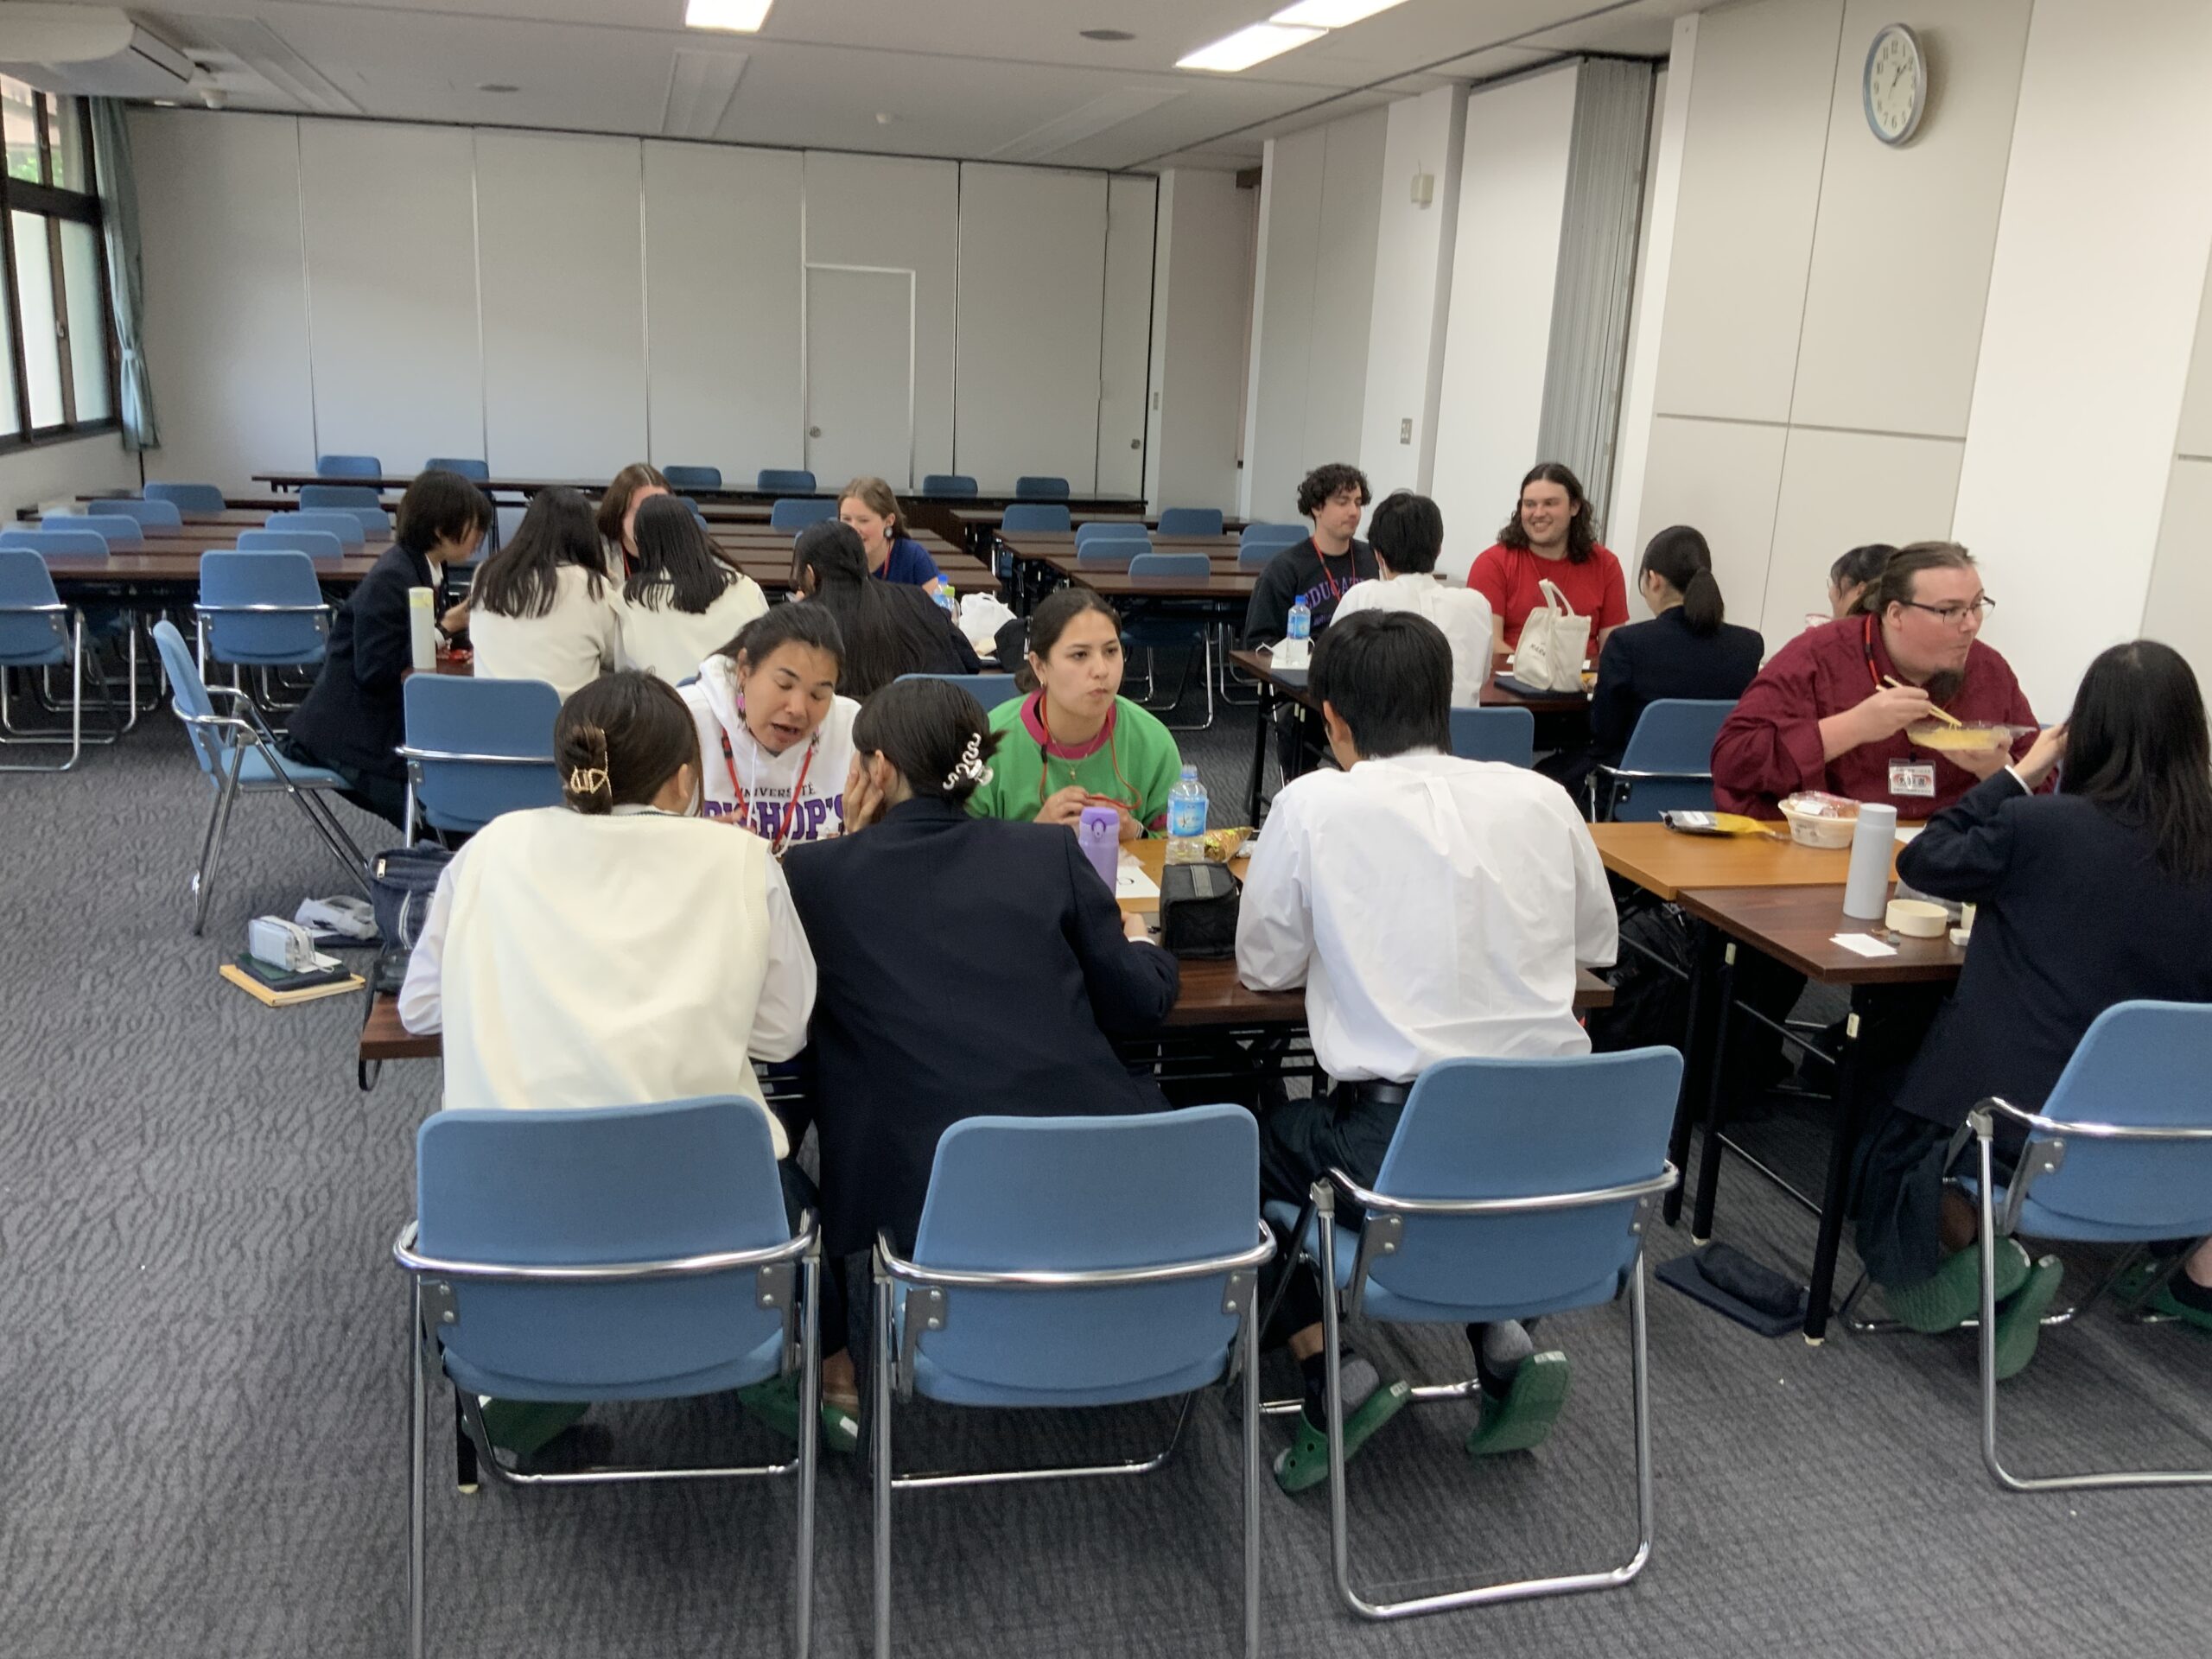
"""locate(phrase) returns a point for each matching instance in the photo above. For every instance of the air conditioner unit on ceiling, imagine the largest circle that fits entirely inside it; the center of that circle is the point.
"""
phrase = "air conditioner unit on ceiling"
(91, 51)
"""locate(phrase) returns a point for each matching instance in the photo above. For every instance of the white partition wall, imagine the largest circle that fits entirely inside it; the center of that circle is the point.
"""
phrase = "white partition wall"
(2179, 608)
(722, 229)
(1423, 137)
(1202, 285)
(1125, 334)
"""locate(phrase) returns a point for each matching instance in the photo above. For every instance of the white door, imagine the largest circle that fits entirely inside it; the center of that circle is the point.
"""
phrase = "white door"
(860, 375)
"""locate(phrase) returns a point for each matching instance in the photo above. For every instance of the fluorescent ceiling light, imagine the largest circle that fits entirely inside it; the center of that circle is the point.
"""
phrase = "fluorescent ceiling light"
(1245, 47)
(1332, 14)
(740, 16)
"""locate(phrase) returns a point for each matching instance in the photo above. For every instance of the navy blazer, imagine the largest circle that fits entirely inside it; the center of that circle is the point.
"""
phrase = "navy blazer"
(354, 716)
(965, 966)
(1646, 661)
(2074, 915)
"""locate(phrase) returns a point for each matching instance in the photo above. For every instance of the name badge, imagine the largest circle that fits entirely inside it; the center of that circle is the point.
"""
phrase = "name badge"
(1906, 779)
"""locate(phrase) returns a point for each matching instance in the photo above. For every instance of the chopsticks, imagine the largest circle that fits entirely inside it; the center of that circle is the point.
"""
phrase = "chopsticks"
(1948, 719)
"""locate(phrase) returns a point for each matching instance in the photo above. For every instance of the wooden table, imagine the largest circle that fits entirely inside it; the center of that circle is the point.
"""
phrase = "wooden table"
(1664, 862)
(171, 568)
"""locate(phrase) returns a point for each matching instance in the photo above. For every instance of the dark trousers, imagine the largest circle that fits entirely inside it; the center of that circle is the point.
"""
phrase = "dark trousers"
(384, 796)
(1346, 1129)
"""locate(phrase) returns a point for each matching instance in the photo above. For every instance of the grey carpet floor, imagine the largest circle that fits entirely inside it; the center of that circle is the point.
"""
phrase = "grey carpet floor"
(202, 1384)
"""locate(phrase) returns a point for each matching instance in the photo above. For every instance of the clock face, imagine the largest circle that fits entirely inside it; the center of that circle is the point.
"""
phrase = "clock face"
(1896, 85)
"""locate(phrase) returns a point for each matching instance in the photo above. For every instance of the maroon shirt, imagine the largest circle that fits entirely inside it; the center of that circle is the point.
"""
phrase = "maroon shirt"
(1770, 746)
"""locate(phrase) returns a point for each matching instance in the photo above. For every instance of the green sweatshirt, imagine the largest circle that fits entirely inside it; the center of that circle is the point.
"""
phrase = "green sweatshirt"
(1133, 761)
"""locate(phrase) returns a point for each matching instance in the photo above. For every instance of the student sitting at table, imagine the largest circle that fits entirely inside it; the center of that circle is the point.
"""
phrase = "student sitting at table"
(1070, 741)
(888, 628)
(1853, 573)
(1433, 908)
(613, 952)
(1833, 709)
(868, 506)
(353, 720)
(541, 609)
(632, 487)
(776, 735)
(684, 600)
(2097, 894)
(1551, 538)
(919, 893)
(1322, 569)
(1407, 533)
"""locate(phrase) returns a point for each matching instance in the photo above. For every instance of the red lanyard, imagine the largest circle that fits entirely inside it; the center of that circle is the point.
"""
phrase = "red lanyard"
(1322, 559)
(1046, 756)
(790, 806)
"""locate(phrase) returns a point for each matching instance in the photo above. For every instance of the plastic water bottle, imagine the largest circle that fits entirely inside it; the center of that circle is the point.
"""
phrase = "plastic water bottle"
(1300, 621)
(1186, 819)
(944, 597)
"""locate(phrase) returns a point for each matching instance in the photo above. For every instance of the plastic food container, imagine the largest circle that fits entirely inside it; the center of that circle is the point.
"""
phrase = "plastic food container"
(1817, 820)
(1973, 737)
(1918, 919)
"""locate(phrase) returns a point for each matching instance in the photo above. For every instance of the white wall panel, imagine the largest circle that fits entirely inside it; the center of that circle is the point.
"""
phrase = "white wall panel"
(1671, 97)
(1344, 287)
(227, 308)
(63, 472)
(564, 312)
(1125, 334)
(1032, 306)
(1412, 294)
(397, 365)
(1841, 490)
(2178, 610)
(1201, 284)
(1750, 182)
(2196, 402)
(1512, 193)
(1282, 322)
(722, 285)
(886, 211)
(1724, 478)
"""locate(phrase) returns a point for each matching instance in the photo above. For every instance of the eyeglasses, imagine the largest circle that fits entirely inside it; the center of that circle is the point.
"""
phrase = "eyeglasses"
(1953, 616)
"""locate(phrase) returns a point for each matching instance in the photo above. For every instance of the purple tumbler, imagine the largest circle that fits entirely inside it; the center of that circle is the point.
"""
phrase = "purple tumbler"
(1100, 834)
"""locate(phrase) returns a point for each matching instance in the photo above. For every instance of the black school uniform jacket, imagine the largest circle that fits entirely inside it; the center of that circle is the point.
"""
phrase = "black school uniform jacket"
(964, 966)
(1646, 661)
(2074, 915)
(1301, 570)
(352, 716)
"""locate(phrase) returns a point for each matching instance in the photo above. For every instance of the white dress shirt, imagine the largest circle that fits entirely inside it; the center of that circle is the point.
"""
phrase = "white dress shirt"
(1461, 614)
(569, 647)
(1433, 908)
(577, 959)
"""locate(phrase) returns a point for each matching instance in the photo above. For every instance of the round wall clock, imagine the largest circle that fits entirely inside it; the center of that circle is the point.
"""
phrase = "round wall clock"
(1894, 87)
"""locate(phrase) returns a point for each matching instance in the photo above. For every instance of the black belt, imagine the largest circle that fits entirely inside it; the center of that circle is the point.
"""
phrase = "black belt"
(1373, 1091)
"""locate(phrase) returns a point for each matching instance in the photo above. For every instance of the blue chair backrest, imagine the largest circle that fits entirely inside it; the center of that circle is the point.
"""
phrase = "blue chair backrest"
(1280, 534)
(1110, 552)
(454, 716)
(339, 498)
(1070, 1193)
(601, 1185)
(114, 529)
(693, 478)
(1092, 529)
(315, 543)
(795, 481)
(1040, 488)
(1051, 516)
(344, 525)
(1672, 734)
(468, 466)
(348, 467)
(947, 484)
(147, 514)
(798, 511)
(1507, 734)
(1493, 1128)
(292, 637)
(189, 498)
(1190, 521)
(189, 692)
(1179, 566)
(988, 690)
(43, 540)
(2142, 1064)
(30, 636)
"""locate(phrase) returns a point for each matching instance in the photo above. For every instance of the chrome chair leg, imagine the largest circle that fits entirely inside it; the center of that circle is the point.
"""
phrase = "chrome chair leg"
(417, 1474)
(809, 1450)
(1252, 1477)
(880, 1432)
(212, 855)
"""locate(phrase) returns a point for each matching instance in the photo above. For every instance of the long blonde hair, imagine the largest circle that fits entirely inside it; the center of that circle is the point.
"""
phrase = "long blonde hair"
(876, 495)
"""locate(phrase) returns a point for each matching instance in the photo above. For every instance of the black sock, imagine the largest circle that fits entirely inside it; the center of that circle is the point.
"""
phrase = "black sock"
(2189, 1293)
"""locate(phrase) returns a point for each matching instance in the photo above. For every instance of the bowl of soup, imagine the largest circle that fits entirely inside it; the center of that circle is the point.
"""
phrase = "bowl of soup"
(1975, 737)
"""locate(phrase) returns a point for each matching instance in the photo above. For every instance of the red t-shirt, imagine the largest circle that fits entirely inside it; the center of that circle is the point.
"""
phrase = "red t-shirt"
(1511, 578)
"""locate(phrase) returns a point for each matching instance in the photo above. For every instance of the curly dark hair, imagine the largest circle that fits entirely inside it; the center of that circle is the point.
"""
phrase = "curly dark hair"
(1581, 532)
(1323, 482)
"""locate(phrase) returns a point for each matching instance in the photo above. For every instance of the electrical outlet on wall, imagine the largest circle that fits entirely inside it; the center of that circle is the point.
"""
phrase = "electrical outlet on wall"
(1406, 430)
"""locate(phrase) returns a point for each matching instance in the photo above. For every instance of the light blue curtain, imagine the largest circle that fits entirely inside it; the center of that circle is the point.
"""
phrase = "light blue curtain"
(119, 186)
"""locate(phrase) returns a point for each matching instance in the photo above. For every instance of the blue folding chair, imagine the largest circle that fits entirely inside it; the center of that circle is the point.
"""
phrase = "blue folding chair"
(476, 748)
(1049, 516)
(188, 497)
(358, 500)
(37, 631)
(1072, 1261)
(348, 467)
(796, 512)
(988, 690)
(149, 515)
(104, 623)
(1149, 628)
(2121, 1152)
(602, 1254)
(238, 756)
(315, 543)
(693, 478)
(1507, 734)
(1287, 535)
(1093, 529)
(1040, 488)
(1511, 1189)
(468, 466)
(953, 484)
(1667, 767)
(115, 530)
(261, 610)
(785, 481)
(346, 526)
(1190, 521)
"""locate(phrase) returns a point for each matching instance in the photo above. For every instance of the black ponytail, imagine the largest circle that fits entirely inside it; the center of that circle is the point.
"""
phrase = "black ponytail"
(618, 741)
(1679, 556)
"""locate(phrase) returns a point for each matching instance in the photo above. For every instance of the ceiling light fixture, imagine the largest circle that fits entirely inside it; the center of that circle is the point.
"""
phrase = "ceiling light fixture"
(1247, 46)
(1332, 14)
(737, 16)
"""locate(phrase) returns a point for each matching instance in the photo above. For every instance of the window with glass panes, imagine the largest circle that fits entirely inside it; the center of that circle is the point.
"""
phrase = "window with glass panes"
(56, 340)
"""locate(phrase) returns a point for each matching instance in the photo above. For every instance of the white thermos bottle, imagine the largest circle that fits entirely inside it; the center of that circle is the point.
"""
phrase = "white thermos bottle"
(1866, 888)
(422, 629)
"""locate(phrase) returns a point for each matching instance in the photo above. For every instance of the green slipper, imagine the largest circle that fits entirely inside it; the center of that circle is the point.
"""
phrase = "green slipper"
(2020, 1322)
(775, 1403)
(2171, 1305)
(1519, 1420)
(1304, 1462)
(1952, 1295)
